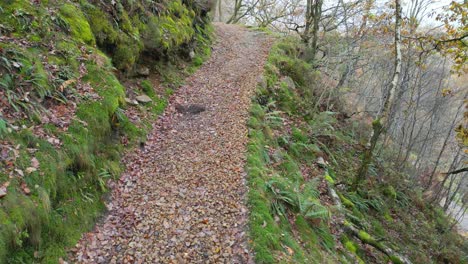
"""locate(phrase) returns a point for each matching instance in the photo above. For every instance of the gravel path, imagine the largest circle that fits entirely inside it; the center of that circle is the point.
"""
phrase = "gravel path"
(182, 198)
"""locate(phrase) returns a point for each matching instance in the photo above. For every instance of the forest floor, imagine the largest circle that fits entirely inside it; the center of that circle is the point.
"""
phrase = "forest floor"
(182, 198)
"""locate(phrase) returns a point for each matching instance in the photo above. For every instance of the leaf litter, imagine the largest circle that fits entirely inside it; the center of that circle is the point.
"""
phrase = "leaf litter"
(182, 198)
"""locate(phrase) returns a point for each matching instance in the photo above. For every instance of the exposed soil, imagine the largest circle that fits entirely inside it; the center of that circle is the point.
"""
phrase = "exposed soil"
(182, 198)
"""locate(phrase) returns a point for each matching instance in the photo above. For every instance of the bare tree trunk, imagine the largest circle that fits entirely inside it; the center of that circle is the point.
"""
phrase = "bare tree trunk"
(237, 6)
(311, 29)
(220, 10)
(380, 122)
(450, 199)
(411, 140)
(434, 112)
(440, 192)
(444, 145)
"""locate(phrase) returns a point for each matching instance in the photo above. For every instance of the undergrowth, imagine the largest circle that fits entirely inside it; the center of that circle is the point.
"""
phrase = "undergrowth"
(299, 146)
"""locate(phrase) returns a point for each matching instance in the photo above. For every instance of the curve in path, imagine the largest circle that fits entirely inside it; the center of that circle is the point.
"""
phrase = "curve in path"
(182, 198)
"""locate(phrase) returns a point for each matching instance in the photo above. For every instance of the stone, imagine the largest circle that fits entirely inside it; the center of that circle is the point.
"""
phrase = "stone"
(143, 71)
(143, 99)
(277, 156)
(192, 54)
(193, 109)
(262, 82)
(289, 82)
(130, 101)
(321, 162)
(3, 191)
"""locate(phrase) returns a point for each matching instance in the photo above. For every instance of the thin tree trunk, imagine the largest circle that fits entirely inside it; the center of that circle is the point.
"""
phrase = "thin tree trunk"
(220, 10)
(411, 140)
(434, 111)
(444, 145)
(439, 194)
(380, 123)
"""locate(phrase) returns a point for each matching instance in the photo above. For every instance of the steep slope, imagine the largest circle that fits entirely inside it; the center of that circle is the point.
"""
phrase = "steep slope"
(304, 152)
(70, 76)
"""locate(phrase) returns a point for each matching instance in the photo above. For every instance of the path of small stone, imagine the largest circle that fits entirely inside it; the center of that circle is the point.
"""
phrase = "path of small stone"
(182, 198)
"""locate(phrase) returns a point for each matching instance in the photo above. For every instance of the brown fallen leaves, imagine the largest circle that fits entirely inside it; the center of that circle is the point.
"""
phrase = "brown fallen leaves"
(182, 197)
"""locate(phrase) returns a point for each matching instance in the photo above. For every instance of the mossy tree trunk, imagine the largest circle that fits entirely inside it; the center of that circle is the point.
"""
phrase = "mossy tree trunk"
(368, 239)
(381, 121)
(361, 234)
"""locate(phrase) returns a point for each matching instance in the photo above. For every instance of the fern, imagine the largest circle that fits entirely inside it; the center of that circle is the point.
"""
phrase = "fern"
(358, 201)
(286, 194)
(312, 209)
(402, 199)
(274, 119)
(3, 128)
(102, 177)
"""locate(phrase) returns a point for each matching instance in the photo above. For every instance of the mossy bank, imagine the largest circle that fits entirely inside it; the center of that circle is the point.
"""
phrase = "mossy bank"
(69, 75)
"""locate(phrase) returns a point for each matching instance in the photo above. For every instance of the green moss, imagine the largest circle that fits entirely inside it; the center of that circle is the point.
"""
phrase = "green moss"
(351, 246)
(390, 192)
(329, 179)
(148, 89)
(66, 191)
(79, 26)
(103, 30)
(388, 217)
(346, 202)
(197, 61)
(396, 260)
(365, 236)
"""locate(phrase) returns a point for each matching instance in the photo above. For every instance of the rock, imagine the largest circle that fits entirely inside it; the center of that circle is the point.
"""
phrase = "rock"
(190, 109)
(143, 71)
(277, 156)
(289, 82)
(321, 162)
(262, 82)
(192, 54)
(130, 101)
(143, 99)
(3, 191)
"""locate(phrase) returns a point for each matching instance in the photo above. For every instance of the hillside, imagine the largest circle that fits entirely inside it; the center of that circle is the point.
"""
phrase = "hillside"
(303, 157)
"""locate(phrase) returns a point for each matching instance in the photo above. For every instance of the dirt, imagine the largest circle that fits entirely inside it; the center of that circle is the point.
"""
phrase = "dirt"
(182, 198)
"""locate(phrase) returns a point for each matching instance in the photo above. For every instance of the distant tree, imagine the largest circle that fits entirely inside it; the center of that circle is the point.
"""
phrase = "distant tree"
(242, 9)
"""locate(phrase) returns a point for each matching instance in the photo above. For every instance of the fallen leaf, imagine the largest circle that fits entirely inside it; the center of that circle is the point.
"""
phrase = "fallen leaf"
(65, 84)
(30, 170)
(25, 188)
(20, 172)
(34, 163)
(290, 251)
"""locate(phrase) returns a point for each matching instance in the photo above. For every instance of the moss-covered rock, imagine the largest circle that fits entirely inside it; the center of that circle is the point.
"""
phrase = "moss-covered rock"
(79, 26)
